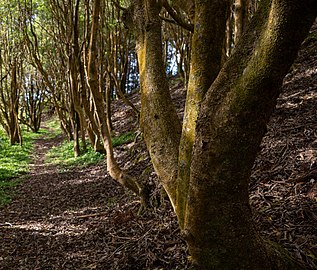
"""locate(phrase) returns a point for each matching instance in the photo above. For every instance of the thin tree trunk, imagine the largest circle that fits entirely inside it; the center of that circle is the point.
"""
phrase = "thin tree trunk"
(240, 18)
(13, 122)
(113, 168)
(108, 103)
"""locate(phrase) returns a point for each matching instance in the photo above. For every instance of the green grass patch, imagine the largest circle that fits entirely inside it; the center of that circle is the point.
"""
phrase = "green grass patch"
(14, 160)
(63, 155)
(53, 127)
(123, 139)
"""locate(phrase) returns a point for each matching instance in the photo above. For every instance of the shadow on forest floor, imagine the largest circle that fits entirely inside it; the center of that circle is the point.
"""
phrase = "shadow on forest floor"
(82, 219)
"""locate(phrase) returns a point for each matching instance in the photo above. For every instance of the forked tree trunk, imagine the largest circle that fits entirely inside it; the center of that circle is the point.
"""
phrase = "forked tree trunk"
(231, 124)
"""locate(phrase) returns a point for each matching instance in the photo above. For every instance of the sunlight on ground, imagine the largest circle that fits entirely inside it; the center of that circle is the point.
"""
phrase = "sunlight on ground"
(60, 224)
(307, 73)
(46, 228)
(79, 181)
(308, 156)
(300, 97)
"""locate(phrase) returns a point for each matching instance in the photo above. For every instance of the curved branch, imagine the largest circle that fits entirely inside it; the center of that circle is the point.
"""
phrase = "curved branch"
(117, 5)
(178, 19)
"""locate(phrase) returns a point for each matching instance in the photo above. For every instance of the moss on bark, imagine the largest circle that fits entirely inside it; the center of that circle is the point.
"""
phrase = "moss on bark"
(159, 120)
(230, 126)
(208, 39)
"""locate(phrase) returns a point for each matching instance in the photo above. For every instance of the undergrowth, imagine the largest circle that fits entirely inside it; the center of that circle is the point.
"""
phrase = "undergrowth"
(54, 127)
(14, 160)
(63, 155)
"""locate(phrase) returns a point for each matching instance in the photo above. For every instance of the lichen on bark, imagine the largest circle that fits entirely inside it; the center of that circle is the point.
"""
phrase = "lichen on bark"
(219, 151)
(231, 123)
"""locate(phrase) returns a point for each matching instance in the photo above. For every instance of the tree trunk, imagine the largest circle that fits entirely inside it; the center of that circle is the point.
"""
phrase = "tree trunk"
(108, 99)
(113, 168)
(205, 65)
(232, 118)
(240, 18)
(13, 122)
(159, 120)
(230, 126)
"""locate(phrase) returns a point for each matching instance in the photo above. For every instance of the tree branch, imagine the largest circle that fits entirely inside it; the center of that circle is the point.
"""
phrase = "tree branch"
(178, 19)
(118, 5)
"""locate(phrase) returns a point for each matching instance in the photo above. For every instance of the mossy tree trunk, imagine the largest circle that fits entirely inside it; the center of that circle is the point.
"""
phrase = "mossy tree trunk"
(230, 126)
(231, 117)
(205, 66)
(159, 120)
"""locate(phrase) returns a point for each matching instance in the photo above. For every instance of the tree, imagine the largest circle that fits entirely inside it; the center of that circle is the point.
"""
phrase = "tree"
(113, 167)
(47, 55)
(226, 114)
(11, 70)
(33, 101)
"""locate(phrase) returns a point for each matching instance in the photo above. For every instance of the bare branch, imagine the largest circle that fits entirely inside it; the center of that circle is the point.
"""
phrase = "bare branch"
(178, 19)
(116, 3)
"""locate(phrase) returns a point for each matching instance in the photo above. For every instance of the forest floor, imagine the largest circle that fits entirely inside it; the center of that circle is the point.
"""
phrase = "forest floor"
(82, 219)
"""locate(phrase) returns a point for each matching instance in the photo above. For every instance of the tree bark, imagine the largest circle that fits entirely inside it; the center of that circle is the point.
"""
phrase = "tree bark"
(159, 120)
(113, 168)
(231, 121)
(240, 18)
(230, 126)
(13, 122)
(210, 23)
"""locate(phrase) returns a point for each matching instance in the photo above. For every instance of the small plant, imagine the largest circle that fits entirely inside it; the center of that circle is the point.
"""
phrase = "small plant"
(63, 155)
(14, 160)
(123, 139)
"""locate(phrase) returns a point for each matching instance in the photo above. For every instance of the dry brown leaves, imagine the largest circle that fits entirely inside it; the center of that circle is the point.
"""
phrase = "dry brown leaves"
(84, 220)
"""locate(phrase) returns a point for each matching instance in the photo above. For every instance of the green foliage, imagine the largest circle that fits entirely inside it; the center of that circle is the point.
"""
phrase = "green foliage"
(14, 160)
(63, 155)
(123, 139)
(54, 127)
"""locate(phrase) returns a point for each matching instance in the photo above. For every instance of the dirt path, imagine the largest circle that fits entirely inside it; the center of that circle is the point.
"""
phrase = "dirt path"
(83, 220)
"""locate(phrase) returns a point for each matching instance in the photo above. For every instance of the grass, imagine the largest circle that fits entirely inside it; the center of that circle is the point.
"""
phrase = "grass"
(14, 160)
(54, 126)
(123, 139)
(63, 155)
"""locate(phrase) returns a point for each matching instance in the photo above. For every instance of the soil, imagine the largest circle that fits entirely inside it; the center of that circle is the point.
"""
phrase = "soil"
(82, 219)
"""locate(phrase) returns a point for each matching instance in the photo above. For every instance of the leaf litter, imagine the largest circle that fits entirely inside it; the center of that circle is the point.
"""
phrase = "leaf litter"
(82, 219)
